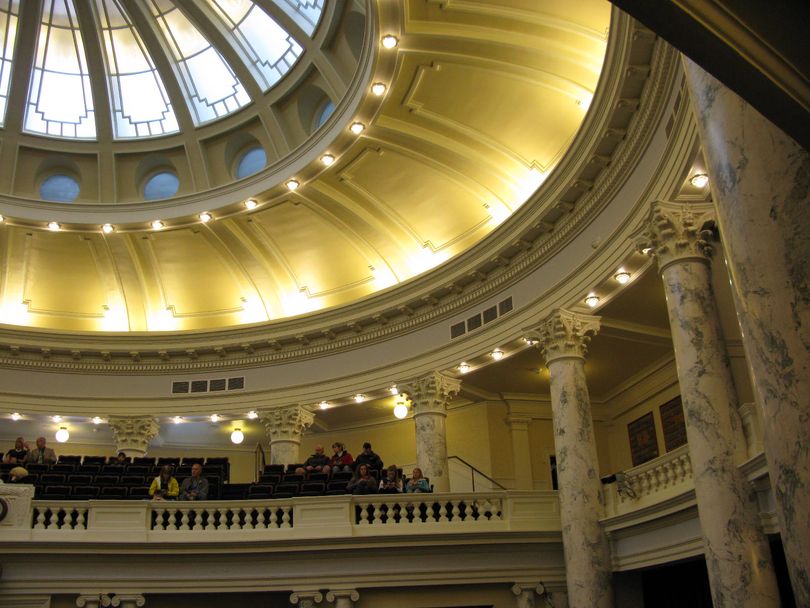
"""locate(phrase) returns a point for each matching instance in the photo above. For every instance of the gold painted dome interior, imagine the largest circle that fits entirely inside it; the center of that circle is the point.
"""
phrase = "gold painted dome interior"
(192, 165)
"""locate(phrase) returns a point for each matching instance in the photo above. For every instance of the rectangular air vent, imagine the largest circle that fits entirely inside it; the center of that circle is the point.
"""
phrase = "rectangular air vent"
(237, 383)
(199, 386)
(217, 385)
(180, 387)
(184, 387)
(480, 319)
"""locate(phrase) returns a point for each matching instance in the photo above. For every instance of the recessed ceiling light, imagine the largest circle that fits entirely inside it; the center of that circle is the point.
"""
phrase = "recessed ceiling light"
(327, 159)
(97, 420)
(378, 88)
(214, 417)
(359, 398)
(292, 184)
(390, 41)
(622, 276)
(394, 390)
(357, 128)
(463, 367)
(206, 217)
(15, 416)
(400, 410)
(496, 354)
(1, 218)
(157, 225)
(252, 414)
(699, 180)
(54, 226)
(250, 204)
(56, 418)
(647, 250)
(107, 228)
(530, 341)
(62, 435)
(237, 436)
(592, 300)
(324, 405)
(177, 419)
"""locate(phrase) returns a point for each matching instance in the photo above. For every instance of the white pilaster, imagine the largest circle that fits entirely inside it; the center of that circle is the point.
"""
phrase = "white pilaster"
(521, 451)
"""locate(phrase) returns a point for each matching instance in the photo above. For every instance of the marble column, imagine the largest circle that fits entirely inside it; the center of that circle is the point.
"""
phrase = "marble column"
(737, 554)
(761, 192)
(521, 451)
(429, 396)
(132, 434)
(343, 598)
(284, 427)
(306, 599)
(525, 594)
(563, 338)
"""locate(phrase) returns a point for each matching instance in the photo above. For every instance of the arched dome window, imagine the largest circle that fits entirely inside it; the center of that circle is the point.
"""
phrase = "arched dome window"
(252, 160)
(161, 185)
(59, 188)
(323, 114)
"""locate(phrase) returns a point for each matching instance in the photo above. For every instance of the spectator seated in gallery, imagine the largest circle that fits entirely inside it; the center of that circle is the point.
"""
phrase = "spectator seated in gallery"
(164, 486)
(362, 482)
(391, 483)
(341, 460)
(42, 454)
(317, 463)
(196, 486)
(367, 456)
(18, 454)
(417, 483)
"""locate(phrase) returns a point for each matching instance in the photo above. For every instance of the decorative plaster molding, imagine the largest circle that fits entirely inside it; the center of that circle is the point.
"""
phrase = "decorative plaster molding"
(132, 434)
(565, 334)
(286, 423)
(428, 297)
(430, 394)
(674, 232)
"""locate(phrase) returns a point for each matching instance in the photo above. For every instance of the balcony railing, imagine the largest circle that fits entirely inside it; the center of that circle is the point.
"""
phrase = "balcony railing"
(117, 521)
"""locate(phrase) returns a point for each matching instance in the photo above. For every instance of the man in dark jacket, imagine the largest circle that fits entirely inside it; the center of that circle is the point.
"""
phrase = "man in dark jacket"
(315, 463)
(368, 457)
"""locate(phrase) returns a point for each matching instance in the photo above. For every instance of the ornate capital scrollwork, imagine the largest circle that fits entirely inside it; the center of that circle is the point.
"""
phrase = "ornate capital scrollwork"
(564, 334)
(430, 393)
(286, 423)
(132, 434)
(675, 231)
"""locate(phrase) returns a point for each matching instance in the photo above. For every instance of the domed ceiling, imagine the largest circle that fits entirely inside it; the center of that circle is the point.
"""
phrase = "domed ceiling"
(197, 165)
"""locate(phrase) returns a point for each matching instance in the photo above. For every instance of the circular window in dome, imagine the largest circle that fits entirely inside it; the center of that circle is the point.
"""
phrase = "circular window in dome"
(161, 185)
(59, 188)
(323, 115)
(252, 160)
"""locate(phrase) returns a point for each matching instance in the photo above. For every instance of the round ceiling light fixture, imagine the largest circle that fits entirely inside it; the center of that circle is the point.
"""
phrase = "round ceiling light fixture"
(357, 127)
(292, 184)
(592, 300)
(393, 390)
(400, 410)
(16, 416)
(237, 436)
(327, 160)
(250, 204)
(699, 180)
(390, 41)
(97, 420)
(62, 435)
(206, 217)
(54, 226)
(463, 367)
(107, 228)
(324, 405)
(177, 419)
(622, 276)
(215, 418)
(379, 89)
(359, 397)
(253, 414)
(157, 225)
(496, 354)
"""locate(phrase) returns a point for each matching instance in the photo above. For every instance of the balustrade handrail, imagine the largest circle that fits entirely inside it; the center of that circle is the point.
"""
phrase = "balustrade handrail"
(475, 470)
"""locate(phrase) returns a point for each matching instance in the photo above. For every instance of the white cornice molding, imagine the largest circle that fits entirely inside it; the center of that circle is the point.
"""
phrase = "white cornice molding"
(522, 240)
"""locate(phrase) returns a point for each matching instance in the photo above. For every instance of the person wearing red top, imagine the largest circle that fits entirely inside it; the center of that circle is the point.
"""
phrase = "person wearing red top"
(341, 459)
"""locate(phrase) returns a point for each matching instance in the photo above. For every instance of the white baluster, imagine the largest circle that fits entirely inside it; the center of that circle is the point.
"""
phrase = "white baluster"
(81, 518)
(285, 518)
(40, 523)
(456, 511)
(198, 519)
(364, 514)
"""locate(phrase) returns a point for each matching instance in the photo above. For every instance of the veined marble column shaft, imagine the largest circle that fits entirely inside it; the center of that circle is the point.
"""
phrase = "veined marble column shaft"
(737, 554)
(132, 434)
(284, 427)
(430, 395)
(563, 338)
(760, 180)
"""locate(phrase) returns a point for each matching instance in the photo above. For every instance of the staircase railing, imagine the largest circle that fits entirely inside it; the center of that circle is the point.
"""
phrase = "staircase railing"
(481, 475)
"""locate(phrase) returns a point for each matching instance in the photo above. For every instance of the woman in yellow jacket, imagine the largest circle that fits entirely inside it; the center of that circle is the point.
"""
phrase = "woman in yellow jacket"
(164, 486)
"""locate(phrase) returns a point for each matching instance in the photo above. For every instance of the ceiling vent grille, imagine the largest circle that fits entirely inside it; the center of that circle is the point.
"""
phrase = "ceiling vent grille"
(184, 387)
(479, 319)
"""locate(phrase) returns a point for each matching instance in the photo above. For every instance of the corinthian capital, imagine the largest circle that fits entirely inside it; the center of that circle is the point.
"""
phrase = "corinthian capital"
(564, 334)
(431, 392)
(132, 434)
(286, 422)
(674, 231)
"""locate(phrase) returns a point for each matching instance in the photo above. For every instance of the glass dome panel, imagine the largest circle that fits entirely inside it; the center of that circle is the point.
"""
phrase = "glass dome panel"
(322, 116)
(268, 48)
(140, 105)
(306, 13)
(60, 102)
(252, 161)
(161, 185)
(9, 10)
(59, 188)
(210, 85)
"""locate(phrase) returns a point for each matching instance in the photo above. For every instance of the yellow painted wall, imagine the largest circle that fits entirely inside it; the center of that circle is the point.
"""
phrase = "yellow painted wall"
(541, 440)
(500, 444)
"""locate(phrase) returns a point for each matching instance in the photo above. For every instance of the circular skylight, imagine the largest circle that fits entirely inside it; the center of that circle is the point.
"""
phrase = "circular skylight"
(156, 57)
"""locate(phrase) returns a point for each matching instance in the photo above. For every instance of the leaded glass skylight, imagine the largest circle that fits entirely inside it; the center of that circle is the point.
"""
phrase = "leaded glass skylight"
(9, 10)
(60, 102)
(140, 105)
(210, 85)
(305, 13)
(268, 48)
